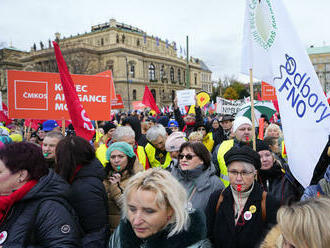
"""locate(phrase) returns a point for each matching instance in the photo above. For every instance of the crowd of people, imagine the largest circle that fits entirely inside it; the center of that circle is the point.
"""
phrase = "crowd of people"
(169, 180)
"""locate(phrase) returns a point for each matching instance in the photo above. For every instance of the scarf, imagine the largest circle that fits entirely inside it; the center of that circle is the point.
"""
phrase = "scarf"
(75, 173)
(7, 201)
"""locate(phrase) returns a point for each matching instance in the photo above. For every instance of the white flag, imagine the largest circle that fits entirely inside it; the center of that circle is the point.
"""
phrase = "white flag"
(272, 49)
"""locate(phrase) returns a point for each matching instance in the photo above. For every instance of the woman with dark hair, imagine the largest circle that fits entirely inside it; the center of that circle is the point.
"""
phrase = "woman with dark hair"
(208, 139)
(34, 211)
(122, 165)
(194, 172)
(77, 164)
(217, 132)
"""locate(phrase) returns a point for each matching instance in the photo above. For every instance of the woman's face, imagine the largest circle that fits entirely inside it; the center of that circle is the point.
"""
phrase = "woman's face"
(275, 147)
(215, 124)
(189, 160)
(241, 174)
(273, 133)
(8, 181)
(118, 160)
(202, 130)
(267, 159)
(144, 214)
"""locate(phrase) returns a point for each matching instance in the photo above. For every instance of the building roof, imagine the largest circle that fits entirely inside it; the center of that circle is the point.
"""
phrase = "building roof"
(204, 66)
(318, 50)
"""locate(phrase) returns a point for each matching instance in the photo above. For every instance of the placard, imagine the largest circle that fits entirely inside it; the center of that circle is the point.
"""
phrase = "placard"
(185, 97)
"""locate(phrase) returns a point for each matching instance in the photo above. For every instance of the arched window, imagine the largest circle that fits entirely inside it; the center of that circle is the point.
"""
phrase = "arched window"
(151, 72)
(195, 76)
(173, 95)
(172, 74)
(138, 42)
(117, 38)
(123, 39)
(134, 94)
(162, 72)
(179, 75)
(132, 71)
(153, 92)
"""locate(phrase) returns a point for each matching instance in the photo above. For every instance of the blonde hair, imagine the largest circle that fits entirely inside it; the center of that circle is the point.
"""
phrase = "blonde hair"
(195, 136)
(169, 193)
(273, 126)
(306, 224)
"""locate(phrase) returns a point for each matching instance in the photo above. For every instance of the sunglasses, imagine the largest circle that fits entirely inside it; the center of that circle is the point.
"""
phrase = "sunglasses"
(188, 156)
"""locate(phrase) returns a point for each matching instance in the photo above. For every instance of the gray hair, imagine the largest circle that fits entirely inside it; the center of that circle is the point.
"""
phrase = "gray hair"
(123, 131)
(153, 132)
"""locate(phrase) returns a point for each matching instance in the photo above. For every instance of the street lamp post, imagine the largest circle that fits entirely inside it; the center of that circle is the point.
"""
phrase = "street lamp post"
(128, 97)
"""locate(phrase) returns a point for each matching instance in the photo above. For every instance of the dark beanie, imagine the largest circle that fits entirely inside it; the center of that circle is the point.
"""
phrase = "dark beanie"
(261, 146)
(245, 153)
(108, 126)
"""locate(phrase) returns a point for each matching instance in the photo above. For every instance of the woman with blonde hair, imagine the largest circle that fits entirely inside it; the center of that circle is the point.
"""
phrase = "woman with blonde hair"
(155, 214)
(302, 225)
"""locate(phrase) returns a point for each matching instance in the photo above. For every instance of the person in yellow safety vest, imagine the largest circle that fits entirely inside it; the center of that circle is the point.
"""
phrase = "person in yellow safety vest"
(155, 149)
(103, 143)
(242, 128)
(127, 134)
(208, 140)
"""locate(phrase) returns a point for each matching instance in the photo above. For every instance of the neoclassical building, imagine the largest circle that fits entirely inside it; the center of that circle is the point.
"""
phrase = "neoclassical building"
(135, 58)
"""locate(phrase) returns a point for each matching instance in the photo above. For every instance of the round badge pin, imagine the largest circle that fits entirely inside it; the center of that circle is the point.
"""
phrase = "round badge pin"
(253, 209)
(247, 215)
(3, 237)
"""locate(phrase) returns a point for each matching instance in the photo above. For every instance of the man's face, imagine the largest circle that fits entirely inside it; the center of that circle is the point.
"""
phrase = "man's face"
(244, 133)
(226, 125)
(159, 143)
(49, 146)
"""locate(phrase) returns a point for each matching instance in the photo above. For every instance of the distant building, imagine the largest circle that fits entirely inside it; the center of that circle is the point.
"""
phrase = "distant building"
(320, 57)
(135, 58)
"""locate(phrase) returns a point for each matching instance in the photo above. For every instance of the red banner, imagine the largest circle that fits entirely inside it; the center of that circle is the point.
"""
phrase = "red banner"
(117, 103)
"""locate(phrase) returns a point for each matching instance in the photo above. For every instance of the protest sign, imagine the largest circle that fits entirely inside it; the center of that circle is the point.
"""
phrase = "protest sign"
(268, 92)
(185, 97)
(203, 98)
(228, 107)
(117, 103)
(138, 105)
(39, 95)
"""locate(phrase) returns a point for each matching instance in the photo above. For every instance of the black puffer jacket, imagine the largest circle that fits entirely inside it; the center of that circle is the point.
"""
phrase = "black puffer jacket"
(43, 218)
(89, 199)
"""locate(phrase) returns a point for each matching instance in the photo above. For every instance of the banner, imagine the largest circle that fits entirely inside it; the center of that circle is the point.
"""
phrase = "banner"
(138, 105)
(228, 107)
(39, 95)
(268, 92)
(272, 49)
(117, 103)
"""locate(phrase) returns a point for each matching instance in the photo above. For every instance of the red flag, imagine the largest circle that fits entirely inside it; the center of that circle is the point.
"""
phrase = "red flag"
(148, 100)
(34, 123)
(4, 115)
(81, 123)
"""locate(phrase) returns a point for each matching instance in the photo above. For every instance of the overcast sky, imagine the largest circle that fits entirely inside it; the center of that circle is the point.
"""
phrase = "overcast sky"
(214, 27)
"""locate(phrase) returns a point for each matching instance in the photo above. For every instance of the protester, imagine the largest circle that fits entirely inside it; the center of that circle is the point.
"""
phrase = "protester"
(275, 179)
(155, 149)
(195, 173)
(208, 140)
(122, 165)
(172, 145)
(173, 125)
(50, 125)
(196, 137)
(242, 128)
(274, 130)
(217, 132)
(241, 214)
(34, 211)
(227, 123)
(104, 142)
(49, 147)
(322, 188)
(304, 224)
(135, 124)
(77, 164)
(127, 134)
(155, 215)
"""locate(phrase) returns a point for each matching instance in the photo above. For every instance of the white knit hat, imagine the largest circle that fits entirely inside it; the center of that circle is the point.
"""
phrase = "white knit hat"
(174, 141)
(239, 121)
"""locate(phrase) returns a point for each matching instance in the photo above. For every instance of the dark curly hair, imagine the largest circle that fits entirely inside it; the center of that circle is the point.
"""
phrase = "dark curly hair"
(24, 156)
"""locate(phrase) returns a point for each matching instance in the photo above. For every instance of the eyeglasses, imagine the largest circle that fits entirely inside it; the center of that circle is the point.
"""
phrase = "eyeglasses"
(188, 156)
(242, 173)
(201, 129)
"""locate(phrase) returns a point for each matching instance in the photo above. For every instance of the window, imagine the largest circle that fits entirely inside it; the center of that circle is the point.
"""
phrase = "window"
(102, 41)
(123, 39)
(179, 75)
(172, 74)
(153, 92)
(117, 38)
(134, 94)
(195, 77)
(132, 71)
(152, 72)
(138, 42)
(173, 95)
(162, 72)
(184, 75)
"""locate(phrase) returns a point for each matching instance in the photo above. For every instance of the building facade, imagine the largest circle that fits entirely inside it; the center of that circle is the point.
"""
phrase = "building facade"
(135, 58)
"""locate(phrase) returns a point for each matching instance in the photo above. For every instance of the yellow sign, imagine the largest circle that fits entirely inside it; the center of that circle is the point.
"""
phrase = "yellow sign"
(203, 98)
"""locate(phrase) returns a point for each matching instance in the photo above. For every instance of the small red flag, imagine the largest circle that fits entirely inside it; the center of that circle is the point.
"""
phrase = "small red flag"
(4, 115)
(81, 123)
(148, 100)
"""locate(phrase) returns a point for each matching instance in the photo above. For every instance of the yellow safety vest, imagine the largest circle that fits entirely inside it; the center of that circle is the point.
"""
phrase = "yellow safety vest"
(142, 156)
(208, 141)
(101, 154)
(224, 147)
(151, 152)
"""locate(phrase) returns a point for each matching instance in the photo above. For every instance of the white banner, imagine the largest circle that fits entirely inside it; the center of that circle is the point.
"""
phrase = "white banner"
(185, 97)
(229, 107)
(272, 49)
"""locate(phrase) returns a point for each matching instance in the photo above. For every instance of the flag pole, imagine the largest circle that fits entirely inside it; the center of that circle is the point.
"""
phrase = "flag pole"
(252, 110)
(63, 127)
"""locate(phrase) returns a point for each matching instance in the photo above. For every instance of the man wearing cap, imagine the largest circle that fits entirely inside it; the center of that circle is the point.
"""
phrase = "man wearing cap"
(173, 126)
(50, 125)
(227, 123)
(242, 128)
(155, 149)
(104, 141)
